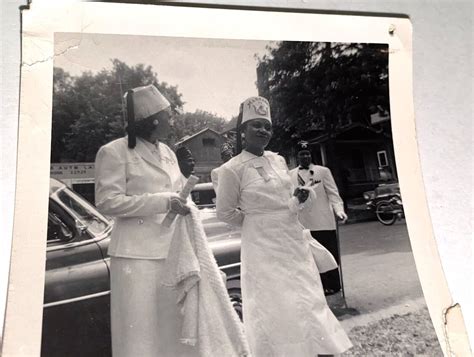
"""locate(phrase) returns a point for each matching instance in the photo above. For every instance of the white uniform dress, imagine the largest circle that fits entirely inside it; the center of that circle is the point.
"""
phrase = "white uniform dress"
(134, 186)
(284, 308)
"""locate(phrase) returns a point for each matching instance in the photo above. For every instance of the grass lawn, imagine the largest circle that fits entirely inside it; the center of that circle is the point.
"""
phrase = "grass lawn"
(411, 334)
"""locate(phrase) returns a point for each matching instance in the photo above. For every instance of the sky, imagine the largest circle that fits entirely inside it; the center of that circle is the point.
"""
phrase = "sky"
(212, 75)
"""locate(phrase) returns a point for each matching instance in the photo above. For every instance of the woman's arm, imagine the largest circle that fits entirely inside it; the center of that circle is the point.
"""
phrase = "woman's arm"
(110, 190)
(228, 196)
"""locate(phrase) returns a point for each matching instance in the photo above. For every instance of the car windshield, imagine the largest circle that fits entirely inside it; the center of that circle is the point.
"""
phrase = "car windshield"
(83, 211)
(204, 197)
(388, 189)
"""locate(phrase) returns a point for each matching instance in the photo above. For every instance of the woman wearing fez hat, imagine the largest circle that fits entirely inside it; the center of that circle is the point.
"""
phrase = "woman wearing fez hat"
(137, 178)
(285, 311)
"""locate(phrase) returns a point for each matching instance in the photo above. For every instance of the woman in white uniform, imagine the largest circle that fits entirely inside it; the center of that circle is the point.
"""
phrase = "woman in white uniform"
(284, 308)
(137, 178)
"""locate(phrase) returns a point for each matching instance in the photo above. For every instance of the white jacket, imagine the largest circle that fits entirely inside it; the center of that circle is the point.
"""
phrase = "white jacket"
(134, 186)
(328, 202)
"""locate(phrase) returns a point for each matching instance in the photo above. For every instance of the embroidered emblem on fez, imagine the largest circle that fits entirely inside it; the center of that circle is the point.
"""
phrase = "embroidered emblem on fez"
(303, 144)
(261, 109)
(259, 106)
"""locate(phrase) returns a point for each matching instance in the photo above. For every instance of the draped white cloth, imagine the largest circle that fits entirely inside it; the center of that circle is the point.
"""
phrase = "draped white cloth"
(209, 321)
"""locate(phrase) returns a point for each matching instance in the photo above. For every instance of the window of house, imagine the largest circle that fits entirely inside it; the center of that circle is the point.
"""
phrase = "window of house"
(209, 142)
(382, 158)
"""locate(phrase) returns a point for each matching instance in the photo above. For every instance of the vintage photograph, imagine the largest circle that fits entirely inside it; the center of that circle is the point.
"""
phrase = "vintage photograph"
(226, 197)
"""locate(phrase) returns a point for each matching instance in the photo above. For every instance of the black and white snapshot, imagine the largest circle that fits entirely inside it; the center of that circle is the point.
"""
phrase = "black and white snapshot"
(223, 197)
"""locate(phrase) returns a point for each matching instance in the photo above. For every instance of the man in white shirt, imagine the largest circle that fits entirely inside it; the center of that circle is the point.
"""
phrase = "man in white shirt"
(320, 219)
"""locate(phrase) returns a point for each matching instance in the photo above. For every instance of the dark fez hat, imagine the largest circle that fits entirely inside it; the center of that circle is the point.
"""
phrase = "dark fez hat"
(183, 153)
(303, 146)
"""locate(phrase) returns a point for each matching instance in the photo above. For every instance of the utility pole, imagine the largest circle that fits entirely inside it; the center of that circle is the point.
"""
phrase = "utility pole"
(122, 99)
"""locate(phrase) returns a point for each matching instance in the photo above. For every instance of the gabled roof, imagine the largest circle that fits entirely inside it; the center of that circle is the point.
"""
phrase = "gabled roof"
(189, 137)
(230, 125)
(353, 126)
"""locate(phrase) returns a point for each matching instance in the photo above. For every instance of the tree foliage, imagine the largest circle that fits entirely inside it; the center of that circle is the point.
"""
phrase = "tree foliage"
(316, 87)
(191, 123)
(88, 109)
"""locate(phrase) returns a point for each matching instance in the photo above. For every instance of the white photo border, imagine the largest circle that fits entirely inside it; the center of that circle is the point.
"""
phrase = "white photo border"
(43, 19)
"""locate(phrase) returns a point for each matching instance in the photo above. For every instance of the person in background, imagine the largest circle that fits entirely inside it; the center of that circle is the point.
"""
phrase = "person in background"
(186, 161)
(227, 152)
(320, 218)
(285, 311)
(136, 183)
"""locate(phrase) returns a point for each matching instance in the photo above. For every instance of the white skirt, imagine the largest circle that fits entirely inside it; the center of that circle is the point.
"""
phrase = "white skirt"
(144, 316)
(284, 308)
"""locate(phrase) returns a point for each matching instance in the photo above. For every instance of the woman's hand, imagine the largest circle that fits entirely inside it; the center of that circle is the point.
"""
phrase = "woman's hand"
(301, 194)
(179, 206)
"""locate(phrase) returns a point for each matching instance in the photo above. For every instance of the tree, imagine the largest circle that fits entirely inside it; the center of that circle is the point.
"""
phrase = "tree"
(316, 88)
(64, 111)
(88, 109)
(191, 123)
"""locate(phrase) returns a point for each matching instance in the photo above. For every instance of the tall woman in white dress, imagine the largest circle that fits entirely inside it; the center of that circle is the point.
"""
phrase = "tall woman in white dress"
(137, 178)
(284, 308)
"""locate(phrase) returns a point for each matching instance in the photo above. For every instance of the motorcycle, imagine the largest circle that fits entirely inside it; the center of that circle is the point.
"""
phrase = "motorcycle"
(386, 202)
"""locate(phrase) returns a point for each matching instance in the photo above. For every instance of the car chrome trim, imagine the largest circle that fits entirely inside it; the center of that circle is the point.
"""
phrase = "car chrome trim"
(104, 293)
(68, 301)
(73, 213)
(230, 266)
(96, 239)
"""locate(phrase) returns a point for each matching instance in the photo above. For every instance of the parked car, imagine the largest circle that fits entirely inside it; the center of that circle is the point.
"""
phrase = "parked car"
(76, 317)
(386, 202)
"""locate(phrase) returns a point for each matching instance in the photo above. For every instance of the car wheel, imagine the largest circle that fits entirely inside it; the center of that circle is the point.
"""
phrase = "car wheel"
(235, 295)
(384, 211)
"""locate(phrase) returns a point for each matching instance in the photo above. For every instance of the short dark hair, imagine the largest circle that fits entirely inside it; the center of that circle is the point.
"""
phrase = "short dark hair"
(144, 127)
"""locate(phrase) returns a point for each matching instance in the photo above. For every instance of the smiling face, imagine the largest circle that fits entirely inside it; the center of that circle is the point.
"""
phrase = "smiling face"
(258, 133)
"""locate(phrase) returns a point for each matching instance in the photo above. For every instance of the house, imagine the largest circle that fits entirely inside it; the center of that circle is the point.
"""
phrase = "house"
(205, 146)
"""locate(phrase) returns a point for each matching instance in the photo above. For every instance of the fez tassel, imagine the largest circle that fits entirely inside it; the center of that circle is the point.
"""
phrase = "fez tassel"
(132, 140)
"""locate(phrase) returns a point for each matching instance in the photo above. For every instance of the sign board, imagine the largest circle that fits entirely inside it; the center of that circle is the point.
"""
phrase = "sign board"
(78, 172)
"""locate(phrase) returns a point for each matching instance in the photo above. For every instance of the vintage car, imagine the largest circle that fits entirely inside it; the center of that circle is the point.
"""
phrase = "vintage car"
(76, 319)
(386, 202)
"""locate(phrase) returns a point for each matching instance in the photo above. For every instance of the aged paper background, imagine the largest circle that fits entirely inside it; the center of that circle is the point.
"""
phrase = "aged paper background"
(459, 227)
